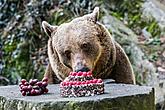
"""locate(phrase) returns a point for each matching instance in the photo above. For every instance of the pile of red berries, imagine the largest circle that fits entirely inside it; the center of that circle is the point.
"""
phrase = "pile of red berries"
(80, 73)
(77, 83)
(33, 87)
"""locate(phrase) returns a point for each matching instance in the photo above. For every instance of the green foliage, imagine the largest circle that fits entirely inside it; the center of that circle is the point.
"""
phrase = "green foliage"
(16, 41)
(24, 45)
(71, 9)
(129, 11)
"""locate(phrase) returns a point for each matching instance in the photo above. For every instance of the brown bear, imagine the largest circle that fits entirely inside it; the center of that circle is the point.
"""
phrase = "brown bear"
(84, 44)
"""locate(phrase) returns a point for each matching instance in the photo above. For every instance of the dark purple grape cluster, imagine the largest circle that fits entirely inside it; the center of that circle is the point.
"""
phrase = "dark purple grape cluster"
(33, 87)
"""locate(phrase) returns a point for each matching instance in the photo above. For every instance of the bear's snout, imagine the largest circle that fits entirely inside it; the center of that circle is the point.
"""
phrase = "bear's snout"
(82, 68)
(80, 64)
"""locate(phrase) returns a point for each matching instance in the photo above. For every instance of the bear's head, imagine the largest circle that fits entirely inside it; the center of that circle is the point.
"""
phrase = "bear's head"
(77, 43)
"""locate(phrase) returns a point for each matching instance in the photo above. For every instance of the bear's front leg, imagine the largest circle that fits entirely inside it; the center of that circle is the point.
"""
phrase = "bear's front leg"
(122, 71)
(49, 74)
(52, 78)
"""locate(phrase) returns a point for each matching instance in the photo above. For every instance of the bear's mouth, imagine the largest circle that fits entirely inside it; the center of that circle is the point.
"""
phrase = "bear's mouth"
(83, 69)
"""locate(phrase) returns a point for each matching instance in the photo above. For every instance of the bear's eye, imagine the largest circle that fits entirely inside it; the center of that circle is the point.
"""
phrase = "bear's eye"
(68, 54)
(85, 46)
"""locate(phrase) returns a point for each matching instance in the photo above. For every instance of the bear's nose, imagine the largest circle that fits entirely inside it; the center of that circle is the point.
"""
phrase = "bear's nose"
(82, 68)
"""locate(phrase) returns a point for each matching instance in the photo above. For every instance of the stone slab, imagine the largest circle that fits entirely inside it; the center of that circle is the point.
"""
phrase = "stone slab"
(116, 97)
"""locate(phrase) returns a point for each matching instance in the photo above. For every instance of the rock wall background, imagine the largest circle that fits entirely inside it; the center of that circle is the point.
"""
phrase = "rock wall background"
(139, 26)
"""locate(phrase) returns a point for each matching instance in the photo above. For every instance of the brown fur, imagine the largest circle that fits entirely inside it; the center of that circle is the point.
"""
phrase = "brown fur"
(89, 42)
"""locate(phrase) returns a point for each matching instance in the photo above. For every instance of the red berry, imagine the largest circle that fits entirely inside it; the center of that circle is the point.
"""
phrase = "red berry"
(70, 83)
(74, 73)
(90, 81)
(89, 73)
(36, 87)
(21, 86)
(24, 88)
(45, 79)
(33, 92)
(21, 90)
(83, 82)
(26, 83)
(31, 82)
(23, 93)
(29, 87)
(79, 73)
(44, 84)
(37, 92)
(23, 81)
(39, 84)
(99, 81)
(67, 83)
(70, 73)
(64, 83)
(46, 90)
(94, 80)
(61, 84)
(74, 82)
(78, 83)
(35, 81)
(87, 82)
(42, 91)
(84, 73)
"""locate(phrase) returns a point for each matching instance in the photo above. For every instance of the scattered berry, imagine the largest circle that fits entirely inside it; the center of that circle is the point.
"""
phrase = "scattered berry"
(89, 73)
(45, 79)
(35, 81)
(33, 87)
(44, 84)
(46, 90)
(94, 80)
(31, 82)
(87, 82)
(74, 82)
(33, 92)
(99, 81)
(24, 88)
(84, 74)
(23, 81)
(83, 82)
(67, 83)
(70, 73)
(29, 87)
(39, 84)
(37, 92)
(78, 83)
(74, 73)
(70, 83)
(26, 84)
(79, 73)
(23, 93)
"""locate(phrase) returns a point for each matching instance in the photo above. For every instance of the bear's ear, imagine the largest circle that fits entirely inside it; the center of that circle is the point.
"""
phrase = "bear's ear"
(95, 14)
(48, 28)
(92, 16)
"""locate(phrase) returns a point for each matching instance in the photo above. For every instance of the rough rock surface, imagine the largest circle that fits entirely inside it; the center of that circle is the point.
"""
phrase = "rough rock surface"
(155, 9)
(116, 97)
